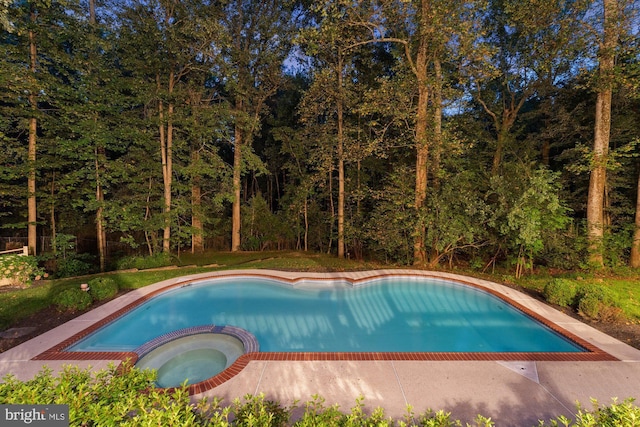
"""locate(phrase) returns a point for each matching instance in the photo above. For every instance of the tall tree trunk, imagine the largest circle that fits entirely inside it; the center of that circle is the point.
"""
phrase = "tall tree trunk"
(422, 149)
(340, 153)
(197, 240)
(306, 223)
(331, 204)
(634, 260)
(602, 127)
(52, 213)
(237, 174)
(166, 142)
(100, 159)
(498, 153)
(100, 231)
(166, 235)
(149, 237)
(92, 12)
(32, 236)
(437, 123)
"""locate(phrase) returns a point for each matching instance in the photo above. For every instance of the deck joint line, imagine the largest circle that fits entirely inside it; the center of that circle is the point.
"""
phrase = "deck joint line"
(264, 368)
(395, 372)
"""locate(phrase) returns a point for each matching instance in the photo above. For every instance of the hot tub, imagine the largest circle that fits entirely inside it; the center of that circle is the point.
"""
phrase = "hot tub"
(194, 355)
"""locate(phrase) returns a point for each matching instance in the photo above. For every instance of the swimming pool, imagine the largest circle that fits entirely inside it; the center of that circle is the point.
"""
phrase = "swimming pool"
(389, 314)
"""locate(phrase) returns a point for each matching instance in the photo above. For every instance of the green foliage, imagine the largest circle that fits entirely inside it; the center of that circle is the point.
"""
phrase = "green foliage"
(389, 230)
(123, 397)
(260, 227)
(64, 245)
(126, 396)
(73, 299)
(624, 414)
(159, 259)
(527, 211)
(616, 244)
(561, 292)
(19, 270)
(455, 217)
(73, 266)
(102, 288)
(443, 419)
(594, 300)
(64, 260)
(256, 411)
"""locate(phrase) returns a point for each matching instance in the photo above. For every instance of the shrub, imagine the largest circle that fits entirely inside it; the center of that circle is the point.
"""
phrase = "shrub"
(561, 292)
(108, 398)
(617, 414)
(102, 288)
(256, 411)
(72, 300)
(591, 299)
(19, 270)
(125, 396)
(73, 266)
(144, 262)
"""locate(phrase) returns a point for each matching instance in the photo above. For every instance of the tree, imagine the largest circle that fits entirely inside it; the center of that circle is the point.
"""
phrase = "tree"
(528, 211)
(258, 34)
(332, 42)
(33, 132)
(634, 259)
(602, 129)
(97, 73)
(427, 31)
(28, 91)
(166, 42)
(530, 47)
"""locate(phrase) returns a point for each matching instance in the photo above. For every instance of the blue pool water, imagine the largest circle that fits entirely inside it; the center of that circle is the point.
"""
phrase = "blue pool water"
(399, 314)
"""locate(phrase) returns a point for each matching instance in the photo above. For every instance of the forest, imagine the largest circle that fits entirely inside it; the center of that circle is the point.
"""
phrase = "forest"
(417, 132)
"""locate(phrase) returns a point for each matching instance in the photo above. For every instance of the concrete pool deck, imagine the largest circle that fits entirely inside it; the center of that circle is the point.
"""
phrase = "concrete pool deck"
(512, 393)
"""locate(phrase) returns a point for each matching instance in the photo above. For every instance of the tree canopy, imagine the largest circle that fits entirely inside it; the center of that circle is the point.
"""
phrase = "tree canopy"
(420, 132)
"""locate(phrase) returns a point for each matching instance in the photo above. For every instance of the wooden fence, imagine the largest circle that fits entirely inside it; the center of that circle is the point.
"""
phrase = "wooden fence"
(20, 251)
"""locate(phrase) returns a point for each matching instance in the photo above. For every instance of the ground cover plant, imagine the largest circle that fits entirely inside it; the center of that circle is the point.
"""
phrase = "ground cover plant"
(125, 396)
(18, 270)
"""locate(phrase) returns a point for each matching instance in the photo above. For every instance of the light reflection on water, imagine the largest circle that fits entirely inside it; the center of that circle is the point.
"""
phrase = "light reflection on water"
(400, 314)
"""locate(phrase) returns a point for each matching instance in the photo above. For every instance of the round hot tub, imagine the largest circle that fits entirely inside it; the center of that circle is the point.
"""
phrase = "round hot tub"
(194, 356)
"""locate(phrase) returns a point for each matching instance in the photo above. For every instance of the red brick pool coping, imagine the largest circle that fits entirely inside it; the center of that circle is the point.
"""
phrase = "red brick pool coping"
(593, 353)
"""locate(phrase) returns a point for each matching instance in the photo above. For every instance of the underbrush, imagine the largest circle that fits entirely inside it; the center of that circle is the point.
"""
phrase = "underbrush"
(145, 262)
(610, 296)
(18, 270)
(125, 396)
(590, 300)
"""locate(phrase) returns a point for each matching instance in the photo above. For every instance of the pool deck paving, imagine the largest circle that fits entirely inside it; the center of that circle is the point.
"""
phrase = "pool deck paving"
(511, 392)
